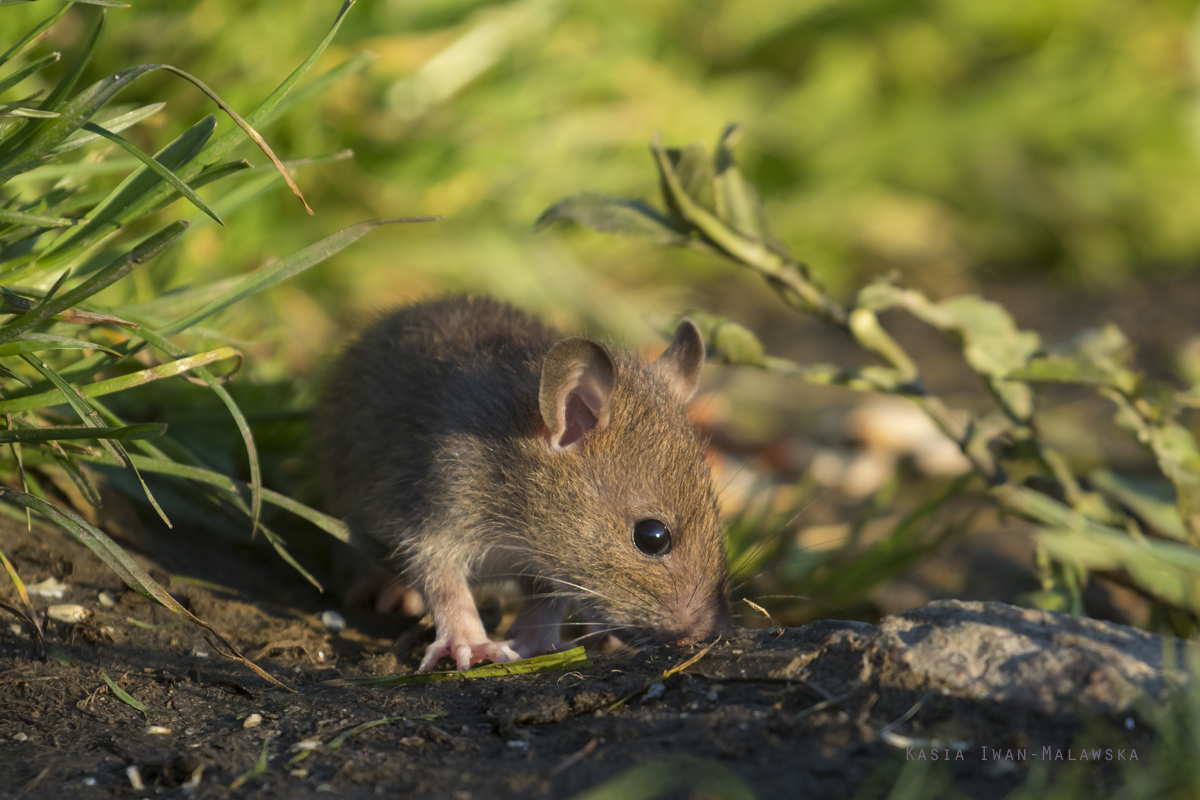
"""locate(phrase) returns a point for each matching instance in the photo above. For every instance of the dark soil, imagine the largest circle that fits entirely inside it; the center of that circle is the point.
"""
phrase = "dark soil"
(758, 705)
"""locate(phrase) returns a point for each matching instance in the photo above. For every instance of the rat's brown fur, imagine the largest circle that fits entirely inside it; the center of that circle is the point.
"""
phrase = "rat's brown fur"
(430, 439)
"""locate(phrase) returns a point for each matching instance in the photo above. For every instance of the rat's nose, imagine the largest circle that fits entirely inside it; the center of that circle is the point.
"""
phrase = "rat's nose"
(699, 618)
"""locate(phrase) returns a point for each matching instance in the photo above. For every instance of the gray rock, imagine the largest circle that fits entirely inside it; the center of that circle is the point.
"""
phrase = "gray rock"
(1040, 660)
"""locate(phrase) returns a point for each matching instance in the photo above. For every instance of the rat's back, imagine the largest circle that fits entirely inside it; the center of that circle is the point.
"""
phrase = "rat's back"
(417, 377)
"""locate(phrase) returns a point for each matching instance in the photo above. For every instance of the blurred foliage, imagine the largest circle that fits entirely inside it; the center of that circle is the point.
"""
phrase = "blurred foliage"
(64, 243)
(950, 140)
(1147, 532)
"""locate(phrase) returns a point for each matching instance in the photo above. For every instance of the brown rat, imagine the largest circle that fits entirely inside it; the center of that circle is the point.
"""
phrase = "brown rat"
(479, 444)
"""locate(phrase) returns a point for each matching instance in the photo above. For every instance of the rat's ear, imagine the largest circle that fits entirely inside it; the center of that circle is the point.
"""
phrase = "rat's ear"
(681, 362)
(578, 376)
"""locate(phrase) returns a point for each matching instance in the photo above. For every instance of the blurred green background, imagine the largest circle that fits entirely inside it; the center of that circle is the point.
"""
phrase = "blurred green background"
(1036, 149)
(955, 141)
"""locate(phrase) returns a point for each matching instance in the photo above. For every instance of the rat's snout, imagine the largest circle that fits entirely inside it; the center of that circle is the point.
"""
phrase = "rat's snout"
(698, 618)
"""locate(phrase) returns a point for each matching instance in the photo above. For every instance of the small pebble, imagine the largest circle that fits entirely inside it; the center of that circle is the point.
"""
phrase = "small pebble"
(15, 629)
(1129, 723)
(198, 653)
(107, 600)
(252, 721)
(88, 781)
(20, 737)
(299, 773)
(519, 744)
(655, 691)
(48, 588)
(135, 778)
(156, 730)
(305, 744)
(414, 741)
(68, 613)
(333, 621)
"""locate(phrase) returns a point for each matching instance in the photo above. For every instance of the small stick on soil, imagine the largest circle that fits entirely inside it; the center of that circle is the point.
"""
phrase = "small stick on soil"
(765, 613)
(33, 784)
(575, 757)
(833, 701)
(666, 674)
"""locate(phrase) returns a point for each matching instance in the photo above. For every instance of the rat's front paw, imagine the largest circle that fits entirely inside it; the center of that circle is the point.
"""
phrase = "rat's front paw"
(466, 654)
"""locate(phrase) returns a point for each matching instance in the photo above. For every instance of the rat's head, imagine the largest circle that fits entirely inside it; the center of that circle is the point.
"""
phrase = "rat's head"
(625, 494)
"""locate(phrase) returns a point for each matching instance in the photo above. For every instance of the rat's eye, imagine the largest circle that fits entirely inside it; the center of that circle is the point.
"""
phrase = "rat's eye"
(652, 537)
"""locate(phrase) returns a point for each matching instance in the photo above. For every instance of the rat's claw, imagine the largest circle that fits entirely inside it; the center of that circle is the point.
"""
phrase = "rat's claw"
(466, 654)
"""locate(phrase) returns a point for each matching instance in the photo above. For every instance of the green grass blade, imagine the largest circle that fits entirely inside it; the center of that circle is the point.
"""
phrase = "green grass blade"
(115, 124)
(79, 405)
(124, 696)
(246, 127)
(283, 269)
(72, 116)
(575, 658)
(260, 766)
(256, 488)
(117, 269)
(21, 112)
(158, 169)
(334, 527)
(21, 218)
(64, 87)
(265, 110)
(27, 70)
(345, 736)
(125, 567)
(54, 100)
(33, 35)
(36, 342)
(143, 430)
(53, 172)
(120, 383)
(352, 65)
(122, 204)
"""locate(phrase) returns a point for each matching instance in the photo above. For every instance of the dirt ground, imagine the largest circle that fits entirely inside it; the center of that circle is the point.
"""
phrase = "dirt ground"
(745, 708)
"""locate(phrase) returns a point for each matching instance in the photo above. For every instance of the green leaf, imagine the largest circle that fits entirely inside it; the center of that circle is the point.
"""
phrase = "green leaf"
(736, 201)
(991, 342)
(726, 341)
(694, 169)
(143, 430)
(156, 167)
(1168, 570)
(1152, 500)
(1096, 356)
(123, 695)
(619, 215)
